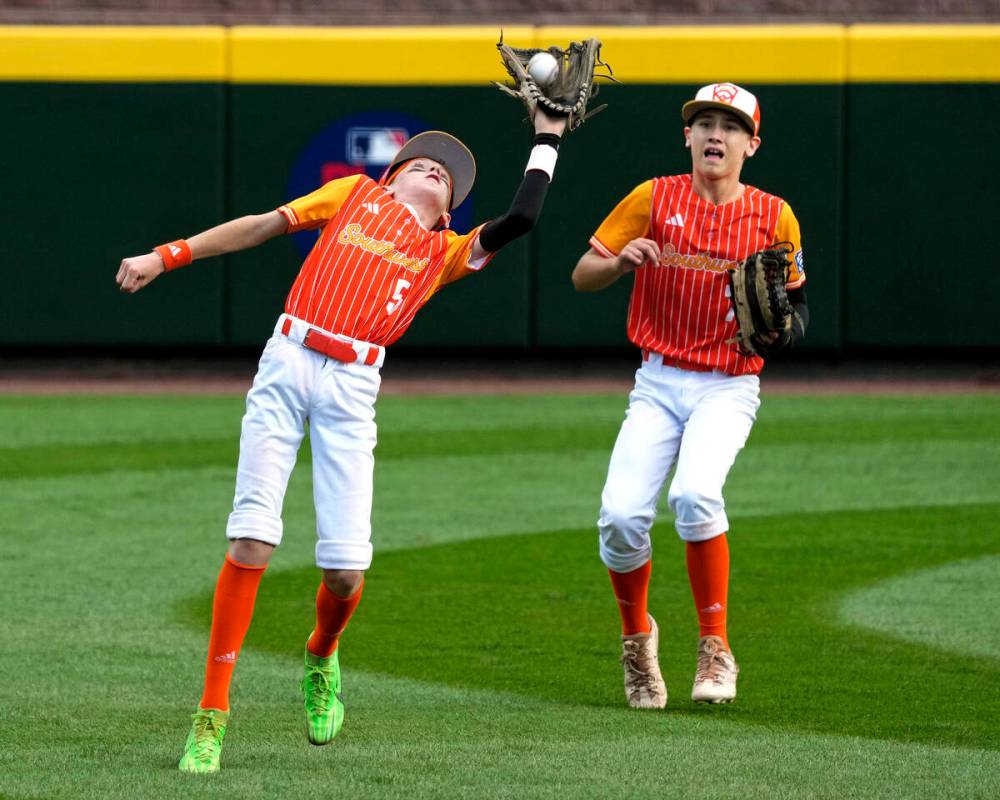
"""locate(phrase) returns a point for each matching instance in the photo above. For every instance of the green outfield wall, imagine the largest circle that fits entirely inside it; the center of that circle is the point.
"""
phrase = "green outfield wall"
(882, 138)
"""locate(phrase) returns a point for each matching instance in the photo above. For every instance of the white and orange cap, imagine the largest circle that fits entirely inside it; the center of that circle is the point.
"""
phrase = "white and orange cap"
(728, 97)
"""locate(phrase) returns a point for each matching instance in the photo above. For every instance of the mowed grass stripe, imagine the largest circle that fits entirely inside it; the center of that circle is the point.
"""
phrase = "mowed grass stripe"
(119, 436)
(36, 420)
(955, 607)
(53, 460)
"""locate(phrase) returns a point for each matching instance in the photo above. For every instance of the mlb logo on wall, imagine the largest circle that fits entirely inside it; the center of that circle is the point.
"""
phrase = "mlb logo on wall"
(374, 145)
(360, 144)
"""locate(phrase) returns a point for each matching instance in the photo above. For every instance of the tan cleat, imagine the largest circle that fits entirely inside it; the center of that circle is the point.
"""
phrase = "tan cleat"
(715, 679)
(644, 686)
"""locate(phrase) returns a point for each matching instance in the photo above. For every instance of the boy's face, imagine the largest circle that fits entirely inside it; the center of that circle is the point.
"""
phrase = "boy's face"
(423, 180)
(719, 143)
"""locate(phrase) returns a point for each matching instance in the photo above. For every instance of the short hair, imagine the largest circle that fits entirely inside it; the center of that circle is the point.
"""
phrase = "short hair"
(730, 114)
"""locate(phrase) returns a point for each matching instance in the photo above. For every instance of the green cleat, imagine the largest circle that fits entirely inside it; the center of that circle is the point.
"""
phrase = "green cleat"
(204, 743)
(321, 689)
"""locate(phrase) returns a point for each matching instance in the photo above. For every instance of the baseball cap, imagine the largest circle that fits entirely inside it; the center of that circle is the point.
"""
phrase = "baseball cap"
(447, 151)
(728, 97)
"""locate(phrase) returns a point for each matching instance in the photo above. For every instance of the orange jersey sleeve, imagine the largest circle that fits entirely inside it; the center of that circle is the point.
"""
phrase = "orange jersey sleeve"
(787, 230)
(456, 260)
(629, 220)
(319, 207)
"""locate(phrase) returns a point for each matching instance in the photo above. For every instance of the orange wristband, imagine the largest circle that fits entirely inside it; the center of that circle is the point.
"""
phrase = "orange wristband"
(174, 254)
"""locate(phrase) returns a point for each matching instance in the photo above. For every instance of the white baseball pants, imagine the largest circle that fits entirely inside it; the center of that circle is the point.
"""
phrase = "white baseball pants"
(698, 420)
(293, 386)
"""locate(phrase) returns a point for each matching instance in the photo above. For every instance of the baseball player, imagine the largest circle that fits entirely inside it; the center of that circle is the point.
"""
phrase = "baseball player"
(383, 250)
(696, 394)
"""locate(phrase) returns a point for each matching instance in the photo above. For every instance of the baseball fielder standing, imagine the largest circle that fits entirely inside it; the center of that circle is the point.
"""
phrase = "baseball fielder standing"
(383, 251)
(696, 393)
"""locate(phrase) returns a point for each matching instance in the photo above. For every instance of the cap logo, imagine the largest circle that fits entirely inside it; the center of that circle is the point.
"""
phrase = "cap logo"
(725, 93)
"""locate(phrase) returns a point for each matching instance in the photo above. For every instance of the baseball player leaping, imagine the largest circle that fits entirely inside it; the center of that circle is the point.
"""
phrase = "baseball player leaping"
(384, 250)
(696, 394)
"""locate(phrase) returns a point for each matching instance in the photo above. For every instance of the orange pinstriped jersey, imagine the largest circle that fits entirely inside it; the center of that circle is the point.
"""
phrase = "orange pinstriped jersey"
(374, 265)
(681, 307)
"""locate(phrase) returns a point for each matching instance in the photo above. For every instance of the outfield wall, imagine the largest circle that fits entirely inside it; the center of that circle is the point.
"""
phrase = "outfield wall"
(883, 139)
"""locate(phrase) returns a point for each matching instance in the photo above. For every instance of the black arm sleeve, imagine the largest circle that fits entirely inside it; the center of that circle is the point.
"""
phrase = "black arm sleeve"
(524, 209)
(522, 214)
(800, 316)
(800, 321)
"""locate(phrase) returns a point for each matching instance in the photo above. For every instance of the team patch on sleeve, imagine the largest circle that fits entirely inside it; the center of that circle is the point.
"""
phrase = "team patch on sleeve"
(797, 276)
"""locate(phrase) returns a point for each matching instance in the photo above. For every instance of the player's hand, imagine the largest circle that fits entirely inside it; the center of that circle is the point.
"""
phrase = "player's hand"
(545, 123)
(637, 253)
(138, 271)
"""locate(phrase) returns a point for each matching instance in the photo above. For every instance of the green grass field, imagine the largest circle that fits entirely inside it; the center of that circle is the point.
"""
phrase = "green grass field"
(864, 608)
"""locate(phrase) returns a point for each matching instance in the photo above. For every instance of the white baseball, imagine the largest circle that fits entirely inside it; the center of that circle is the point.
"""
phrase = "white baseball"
(543, 68)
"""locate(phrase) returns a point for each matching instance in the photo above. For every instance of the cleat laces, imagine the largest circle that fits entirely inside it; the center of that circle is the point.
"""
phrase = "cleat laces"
(632, 660)
(317, 679)
(712, 665)
(207, 733)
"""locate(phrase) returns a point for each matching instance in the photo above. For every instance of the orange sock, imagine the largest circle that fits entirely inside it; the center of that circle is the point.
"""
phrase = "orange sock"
(631, 590)
(235, 593)
(708, 571)
(332, 614)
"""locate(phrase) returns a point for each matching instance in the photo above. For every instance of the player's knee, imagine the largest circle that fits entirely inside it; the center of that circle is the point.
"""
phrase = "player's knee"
(698, 515)
(255, 526)
(624, 521)
(250, 552)
(690, 504)
(625, 556)
(624, 538)
(342, 582)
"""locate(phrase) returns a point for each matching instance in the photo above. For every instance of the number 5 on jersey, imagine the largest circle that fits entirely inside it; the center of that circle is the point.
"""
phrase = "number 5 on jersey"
(397, 296)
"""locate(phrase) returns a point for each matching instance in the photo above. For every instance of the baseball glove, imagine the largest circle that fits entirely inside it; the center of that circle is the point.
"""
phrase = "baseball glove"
(761, 302)
(571, 90)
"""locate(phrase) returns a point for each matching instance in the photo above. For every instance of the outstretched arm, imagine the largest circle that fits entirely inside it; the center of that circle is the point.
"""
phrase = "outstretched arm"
(239, 234)
(530, 196)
